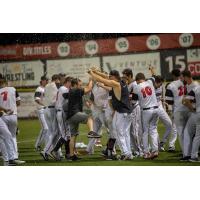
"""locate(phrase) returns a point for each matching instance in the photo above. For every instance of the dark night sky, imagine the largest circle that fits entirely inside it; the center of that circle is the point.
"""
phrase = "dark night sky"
(25, 38)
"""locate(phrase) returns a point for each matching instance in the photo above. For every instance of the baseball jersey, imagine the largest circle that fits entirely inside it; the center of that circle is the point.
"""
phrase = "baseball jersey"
(191, 86)
(131, 87)
(39, 95)
(194, 96)
(145, 92)
(175, 92)
(61, 96)
(8, 98)
(99, 96)
(123, 105)
(50, 94)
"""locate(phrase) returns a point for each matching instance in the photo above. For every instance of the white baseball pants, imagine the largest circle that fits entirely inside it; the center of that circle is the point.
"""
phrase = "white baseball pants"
(149, 122)
(192, 136)
(121, 132)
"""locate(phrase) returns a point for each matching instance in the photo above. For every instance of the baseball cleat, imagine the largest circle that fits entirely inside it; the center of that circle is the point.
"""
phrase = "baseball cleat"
(38, 148)
(19, 162)
(123, 157)
(93, 134)
(112, 157)
(154, 155)
(161, 147)
(185, 159)
(171, 149)
(10, 163)
(73, 158)
(147, 156)
(104, 152)
(194, 160)
(55, 155)
(44, 155)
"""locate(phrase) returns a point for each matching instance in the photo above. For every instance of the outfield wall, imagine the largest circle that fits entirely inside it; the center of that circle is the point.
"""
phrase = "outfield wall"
(23, 65)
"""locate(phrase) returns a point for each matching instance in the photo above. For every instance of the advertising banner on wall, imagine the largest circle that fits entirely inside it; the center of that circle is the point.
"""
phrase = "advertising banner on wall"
(193, 59)
(28, 106)
(100, 47)
(137, 62)
(19, 74)
(72, 67)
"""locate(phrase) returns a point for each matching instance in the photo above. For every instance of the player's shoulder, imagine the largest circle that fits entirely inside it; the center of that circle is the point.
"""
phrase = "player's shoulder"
(39, 89)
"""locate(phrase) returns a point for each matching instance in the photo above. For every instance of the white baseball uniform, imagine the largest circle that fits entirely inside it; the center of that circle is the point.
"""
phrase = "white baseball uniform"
(8, 99)
(136, 125)
(192, 129)
(149, 106)
(98, 108)
(63, 126)
(50, 93)
(163, 116)
(42, 137)
(7, 145)
(175, 92)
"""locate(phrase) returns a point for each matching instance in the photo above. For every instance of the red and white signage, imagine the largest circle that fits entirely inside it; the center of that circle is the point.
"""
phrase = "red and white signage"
(102, 47)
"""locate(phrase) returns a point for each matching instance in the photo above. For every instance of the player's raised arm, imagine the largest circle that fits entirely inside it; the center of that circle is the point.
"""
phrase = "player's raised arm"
(88, 88)
(152, 70)
(110, 83)
(98, 72)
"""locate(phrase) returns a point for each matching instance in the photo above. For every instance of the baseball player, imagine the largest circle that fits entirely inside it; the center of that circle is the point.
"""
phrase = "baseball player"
(175, 93)
(136, 125)
(192, 130)
(121, 106)
(9, 100)
(99, 98)
(6, 142)
(145, 93)
(162, 114)
(50, 93)
(63, 126)
(39, 98)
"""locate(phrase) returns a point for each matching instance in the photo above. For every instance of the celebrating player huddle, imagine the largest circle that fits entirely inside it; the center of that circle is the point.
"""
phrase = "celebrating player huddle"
(129, 109)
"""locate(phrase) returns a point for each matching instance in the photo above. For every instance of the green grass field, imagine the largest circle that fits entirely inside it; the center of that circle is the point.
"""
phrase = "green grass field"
(29, 130)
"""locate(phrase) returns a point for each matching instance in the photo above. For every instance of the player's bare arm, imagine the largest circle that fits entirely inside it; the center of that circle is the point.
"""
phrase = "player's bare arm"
(152, 70)
(104, 86)
(110, 83)
(88, 88)
(98, 72)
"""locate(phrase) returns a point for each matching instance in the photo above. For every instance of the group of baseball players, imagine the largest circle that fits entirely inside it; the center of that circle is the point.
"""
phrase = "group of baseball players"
(127, 108)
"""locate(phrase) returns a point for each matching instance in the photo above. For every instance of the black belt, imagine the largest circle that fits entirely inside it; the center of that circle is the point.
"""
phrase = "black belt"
(50, 107)
(154, 107)
(58, 110)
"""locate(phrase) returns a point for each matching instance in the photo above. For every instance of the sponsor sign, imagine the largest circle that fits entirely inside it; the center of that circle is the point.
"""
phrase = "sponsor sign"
(19, 74)
(72, 67)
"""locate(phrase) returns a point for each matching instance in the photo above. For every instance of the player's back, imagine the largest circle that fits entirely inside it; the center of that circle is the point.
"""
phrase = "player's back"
(50, 94)
(146, 94)
(175, 92)
(8, 98)
(100, 96)
(60, 98)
